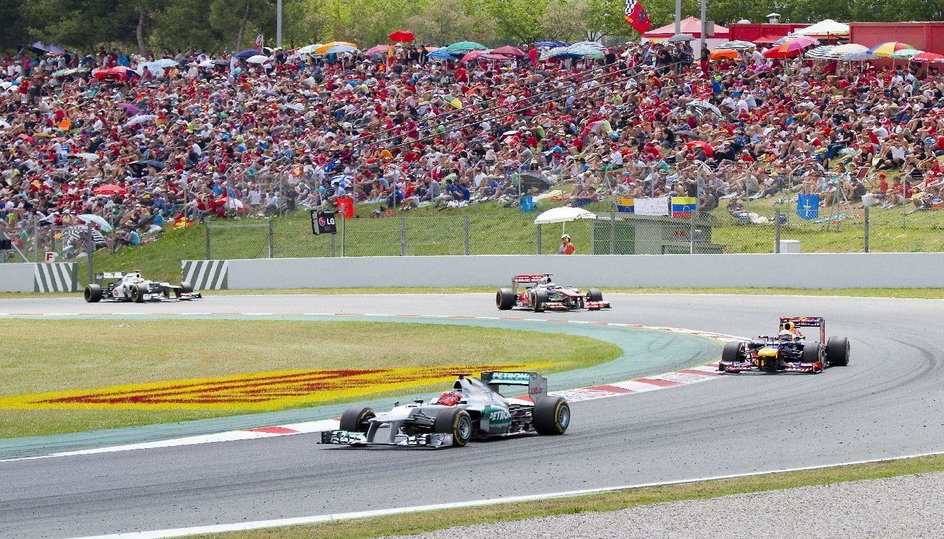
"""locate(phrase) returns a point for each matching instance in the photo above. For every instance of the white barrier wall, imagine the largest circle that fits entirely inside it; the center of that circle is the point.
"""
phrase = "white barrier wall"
(17, 277)
(849, 270)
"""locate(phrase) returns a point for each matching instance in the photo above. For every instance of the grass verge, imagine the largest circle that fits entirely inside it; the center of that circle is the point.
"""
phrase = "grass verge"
(413, 523)
(60, 355)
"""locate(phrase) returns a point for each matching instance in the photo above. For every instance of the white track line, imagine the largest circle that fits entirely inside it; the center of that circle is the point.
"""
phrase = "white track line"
(315, 519)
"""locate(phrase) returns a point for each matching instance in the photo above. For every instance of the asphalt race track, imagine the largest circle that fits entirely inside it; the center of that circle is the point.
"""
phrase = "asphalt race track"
(888, 403)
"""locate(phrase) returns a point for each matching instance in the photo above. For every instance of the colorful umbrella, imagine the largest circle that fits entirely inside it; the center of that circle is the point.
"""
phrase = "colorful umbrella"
(928, 57)
(452, 101)
(120, 73)
(308, 49)
(508, 50)
(377, 50)
(723, 54)
(905, 54)
(401, 36)
(886, 49)
(790, 48)
(336, 47)
(466, 46)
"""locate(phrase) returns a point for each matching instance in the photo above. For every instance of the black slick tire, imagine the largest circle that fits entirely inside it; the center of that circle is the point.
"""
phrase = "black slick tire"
(551, 415)
(594, 294)
(93, 293)
(539, 299)
(137, 294)
(837, 351)
(504, 299)
(732, 351)
(456, 422)
(812, 352)
(356, 419)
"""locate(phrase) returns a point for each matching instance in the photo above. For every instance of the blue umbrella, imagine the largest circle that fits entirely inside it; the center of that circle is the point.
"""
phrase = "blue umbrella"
(551, 44)
(248, 53)
(440, 54)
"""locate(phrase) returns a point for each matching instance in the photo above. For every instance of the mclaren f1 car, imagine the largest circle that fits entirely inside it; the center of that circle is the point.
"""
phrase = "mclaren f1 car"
(538, 293)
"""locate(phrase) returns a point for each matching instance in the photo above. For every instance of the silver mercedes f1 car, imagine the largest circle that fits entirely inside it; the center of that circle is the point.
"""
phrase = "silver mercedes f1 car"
(473, 409)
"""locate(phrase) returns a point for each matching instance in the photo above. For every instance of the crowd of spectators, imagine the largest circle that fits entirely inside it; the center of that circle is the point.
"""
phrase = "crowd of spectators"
(187, 135)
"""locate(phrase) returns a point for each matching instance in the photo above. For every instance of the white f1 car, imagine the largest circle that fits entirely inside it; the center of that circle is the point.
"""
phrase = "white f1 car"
(117, 286)
(539, 293)
(472, 409)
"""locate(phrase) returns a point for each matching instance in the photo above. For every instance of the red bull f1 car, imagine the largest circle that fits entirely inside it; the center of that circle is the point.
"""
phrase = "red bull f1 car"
(538, 293)
(473, 409)
(788, 351)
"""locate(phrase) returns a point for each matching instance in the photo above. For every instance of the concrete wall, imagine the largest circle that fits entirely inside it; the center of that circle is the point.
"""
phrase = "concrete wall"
(17, 277)
(852, 270)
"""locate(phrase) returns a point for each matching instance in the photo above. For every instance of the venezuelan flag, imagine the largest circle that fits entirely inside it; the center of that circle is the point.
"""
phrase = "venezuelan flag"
(624, 205)
(683, 206)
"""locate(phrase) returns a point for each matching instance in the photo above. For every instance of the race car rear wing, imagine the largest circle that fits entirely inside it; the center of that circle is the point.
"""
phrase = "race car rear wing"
(537, 384)
(109, 275)
(807, 322)
(529, 278)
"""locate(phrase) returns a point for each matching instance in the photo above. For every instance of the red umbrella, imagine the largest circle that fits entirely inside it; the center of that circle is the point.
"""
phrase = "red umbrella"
(120, 73)
(791, 48)
(402, 36)
(508, 50)
(928, 57)
(109, 190)
(709, 151)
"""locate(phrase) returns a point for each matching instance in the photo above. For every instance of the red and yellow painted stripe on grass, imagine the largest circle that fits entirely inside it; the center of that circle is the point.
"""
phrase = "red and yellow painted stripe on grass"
(258, 391)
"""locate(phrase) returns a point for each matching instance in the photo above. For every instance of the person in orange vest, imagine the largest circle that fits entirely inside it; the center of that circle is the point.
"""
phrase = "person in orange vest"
(566, 247)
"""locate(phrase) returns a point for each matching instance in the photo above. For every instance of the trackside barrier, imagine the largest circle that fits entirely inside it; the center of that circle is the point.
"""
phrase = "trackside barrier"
(813, 270)
(205, 274)
(55, 277)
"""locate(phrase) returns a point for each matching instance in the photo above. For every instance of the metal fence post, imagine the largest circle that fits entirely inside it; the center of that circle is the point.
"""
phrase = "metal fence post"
(332, 245)
(36, 239)
(691, 234)
(777, 232)
(206, 230)
(612, 232)
(904, 203)
(538, 235)
(867, 223)
(90, 248)
(271, 238)
(465, 234)
(343, 227)
(402, 235)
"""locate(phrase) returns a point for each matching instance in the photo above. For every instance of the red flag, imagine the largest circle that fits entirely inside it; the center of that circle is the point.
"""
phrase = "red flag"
(259, 42)
(635, 15)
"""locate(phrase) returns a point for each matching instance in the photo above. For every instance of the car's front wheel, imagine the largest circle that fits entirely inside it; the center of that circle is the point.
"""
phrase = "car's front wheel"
(137, 294)
(813, 353)
(93, 293)
(456, 422)
(356, 419)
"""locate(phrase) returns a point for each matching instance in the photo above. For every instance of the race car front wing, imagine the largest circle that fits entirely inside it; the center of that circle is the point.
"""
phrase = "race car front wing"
(735, 367)
(430, 439)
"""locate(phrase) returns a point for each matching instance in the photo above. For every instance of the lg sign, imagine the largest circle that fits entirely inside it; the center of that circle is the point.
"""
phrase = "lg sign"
(323, 222)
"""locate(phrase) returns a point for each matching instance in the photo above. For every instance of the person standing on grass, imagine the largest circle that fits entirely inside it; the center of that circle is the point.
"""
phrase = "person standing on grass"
(566, 248)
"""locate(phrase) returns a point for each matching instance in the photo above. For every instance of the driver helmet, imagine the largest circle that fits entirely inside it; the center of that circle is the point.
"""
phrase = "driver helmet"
(786, 335)
(449, 398)
(788, 326)
(545, 280)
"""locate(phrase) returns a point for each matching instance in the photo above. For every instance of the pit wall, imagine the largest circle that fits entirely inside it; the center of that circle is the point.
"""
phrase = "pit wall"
(848, 270)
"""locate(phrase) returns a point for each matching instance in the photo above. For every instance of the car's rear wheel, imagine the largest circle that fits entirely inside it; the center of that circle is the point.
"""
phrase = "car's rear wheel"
(456, 422)
(812, 353)
(837, 351)
(504, 299)
(594, 294)
(538, 300)
(93, 293)
(137, 294)
(551, 415)
(732, 351)
(356, 419)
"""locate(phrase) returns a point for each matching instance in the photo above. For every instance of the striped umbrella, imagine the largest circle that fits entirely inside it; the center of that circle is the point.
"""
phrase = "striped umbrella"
(790, 48)
(928, 57)
(821, 53)
(737, 45)
(905, 54)
(886, 49)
